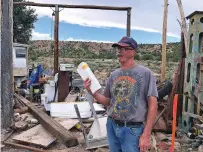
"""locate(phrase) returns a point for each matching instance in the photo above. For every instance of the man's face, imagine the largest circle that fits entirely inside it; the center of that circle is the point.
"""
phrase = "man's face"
(124, 54)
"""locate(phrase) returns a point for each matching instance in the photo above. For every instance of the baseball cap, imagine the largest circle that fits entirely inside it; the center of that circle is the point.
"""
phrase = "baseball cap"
(126, 42)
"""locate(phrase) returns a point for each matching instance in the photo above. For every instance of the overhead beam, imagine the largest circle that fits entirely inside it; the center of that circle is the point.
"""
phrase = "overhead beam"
(73, 6)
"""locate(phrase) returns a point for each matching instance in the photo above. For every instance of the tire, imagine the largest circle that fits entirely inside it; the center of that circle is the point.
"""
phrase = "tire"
(166, 89)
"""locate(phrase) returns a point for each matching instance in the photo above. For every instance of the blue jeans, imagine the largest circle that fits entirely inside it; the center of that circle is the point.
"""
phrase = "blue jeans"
(123, 139)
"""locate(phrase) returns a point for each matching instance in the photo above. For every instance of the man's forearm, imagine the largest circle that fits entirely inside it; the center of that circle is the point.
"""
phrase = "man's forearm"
(101, 99)
(151, 116)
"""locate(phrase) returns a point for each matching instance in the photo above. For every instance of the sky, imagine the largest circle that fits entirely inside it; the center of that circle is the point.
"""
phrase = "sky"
(110, 26)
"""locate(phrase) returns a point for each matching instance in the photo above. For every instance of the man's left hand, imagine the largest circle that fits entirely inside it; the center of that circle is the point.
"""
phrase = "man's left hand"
(144, 143)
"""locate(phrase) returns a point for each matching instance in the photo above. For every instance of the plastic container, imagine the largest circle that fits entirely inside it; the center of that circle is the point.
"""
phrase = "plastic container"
(85, 72)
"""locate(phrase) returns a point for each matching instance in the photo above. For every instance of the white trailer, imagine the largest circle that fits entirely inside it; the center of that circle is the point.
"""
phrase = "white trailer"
(20, 62)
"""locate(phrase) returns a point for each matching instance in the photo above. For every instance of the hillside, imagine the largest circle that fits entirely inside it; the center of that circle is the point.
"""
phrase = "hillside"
(75, 49)
(101, 56)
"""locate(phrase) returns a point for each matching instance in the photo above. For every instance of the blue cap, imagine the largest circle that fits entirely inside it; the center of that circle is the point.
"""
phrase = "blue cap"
(126, 42)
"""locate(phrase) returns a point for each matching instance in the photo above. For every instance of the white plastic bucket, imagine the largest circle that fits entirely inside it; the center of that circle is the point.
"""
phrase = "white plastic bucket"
(85, 72)
(43, 99)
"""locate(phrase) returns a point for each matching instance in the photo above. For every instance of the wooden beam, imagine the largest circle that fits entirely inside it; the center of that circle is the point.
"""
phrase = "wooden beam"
(183, 24)
(6, 78)
(128, 21)
(24, 147)
(163, 63)
(73, 6)
(50, 124)
(56, 38)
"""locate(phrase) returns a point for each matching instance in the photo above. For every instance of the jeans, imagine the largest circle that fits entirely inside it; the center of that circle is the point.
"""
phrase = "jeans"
(123, 139)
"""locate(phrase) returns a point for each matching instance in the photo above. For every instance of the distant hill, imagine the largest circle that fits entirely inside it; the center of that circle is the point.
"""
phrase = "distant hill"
(77, 49)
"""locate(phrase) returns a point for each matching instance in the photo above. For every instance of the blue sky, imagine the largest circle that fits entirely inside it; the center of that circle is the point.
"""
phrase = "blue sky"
(110, 26)
(78, 32)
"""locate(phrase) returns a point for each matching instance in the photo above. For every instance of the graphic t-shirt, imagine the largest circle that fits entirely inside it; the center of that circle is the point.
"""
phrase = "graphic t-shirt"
(128, 91)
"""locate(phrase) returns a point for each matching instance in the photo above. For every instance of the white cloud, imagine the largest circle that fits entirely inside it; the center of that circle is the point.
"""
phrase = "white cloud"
(83, 40)
(147, 15)
(40, 36)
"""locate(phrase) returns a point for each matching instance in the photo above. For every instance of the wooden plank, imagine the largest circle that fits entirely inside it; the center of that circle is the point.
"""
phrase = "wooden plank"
(71, 97)
(67, 123)
(50, 124)
(39, 136)
(24, 147)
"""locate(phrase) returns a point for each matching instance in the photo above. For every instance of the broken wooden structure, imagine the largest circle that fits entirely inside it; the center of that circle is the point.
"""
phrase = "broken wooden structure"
(50, 124)
(58, 6)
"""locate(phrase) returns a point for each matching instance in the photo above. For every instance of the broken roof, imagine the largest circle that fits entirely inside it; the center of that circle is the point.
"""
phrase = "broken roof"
(194, 13)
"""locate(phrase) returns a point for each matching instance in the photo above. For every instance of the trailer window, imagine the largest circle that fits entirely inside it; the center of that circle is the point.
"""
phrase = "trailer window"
(20, 52)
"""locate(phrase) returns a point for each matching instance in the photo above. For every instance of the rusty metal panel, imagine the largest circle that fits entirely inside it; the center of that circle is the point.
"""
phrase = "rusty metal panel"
(63, 85)
(193, 74)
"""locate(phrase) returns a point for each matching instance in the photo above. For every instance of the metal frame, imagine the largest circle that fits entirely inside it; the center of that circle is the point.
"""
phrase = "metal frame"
(57, 6)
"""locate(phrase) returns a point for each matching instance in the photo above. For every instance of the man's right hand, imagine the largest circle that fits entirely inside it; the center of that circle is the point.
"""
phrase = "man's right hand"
(87, 84)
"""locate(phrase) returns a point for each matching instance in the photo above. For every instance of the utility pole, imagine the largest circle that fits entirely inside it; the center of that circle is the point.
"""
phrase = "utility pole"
(6, 45)
(128, 21)
(164, 34)
(56, 35)
(183, 24)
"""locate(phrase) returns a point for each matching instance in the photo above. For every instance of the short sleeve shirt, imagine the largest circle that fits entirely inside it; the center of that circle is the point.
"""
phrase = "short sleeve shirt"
(128, 91)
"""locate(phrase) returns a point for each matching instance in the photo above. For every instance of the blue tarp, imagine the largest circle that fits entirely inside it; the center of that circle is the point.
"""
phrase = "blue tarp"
(36, 73)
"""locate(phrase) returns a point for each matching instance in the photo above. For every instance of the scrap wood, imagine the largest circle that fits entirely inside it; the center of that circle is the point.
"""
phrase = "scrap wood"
(39, 136)
(71, 97)
(154, 143)
(24, 147)
(50, 124)
(7, 136)
(193, 115)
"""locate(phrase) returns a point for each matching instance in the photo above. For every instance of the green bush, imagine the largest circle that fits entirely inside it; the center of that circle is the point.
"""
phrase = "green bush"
(147, 57)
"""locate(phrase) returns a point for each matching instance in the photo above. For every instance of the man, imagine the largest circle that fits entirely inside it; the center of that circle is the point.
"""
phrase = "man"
(131, 99)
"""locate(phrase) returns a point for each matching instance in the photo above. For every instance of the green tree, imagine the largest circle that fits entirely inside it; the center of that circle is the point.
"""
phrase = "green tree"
(23, 23)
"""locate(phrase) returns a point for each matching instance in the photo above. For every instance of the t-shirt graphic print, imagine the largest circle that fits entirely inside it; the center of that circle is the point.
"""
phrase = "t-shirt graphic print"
(126, 94)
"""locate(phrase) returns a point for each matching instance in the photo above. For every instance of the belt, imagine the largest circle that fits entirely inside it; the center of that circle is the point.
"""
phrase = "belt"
(125, 123)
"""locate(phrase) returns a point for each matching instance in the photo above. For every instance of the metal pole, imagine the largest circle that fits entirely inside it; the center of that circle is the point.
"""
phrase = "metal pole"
(56, 39)
(91, 100)
(80, 120)
(6, 11)
(128, 21)
(163, 65)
